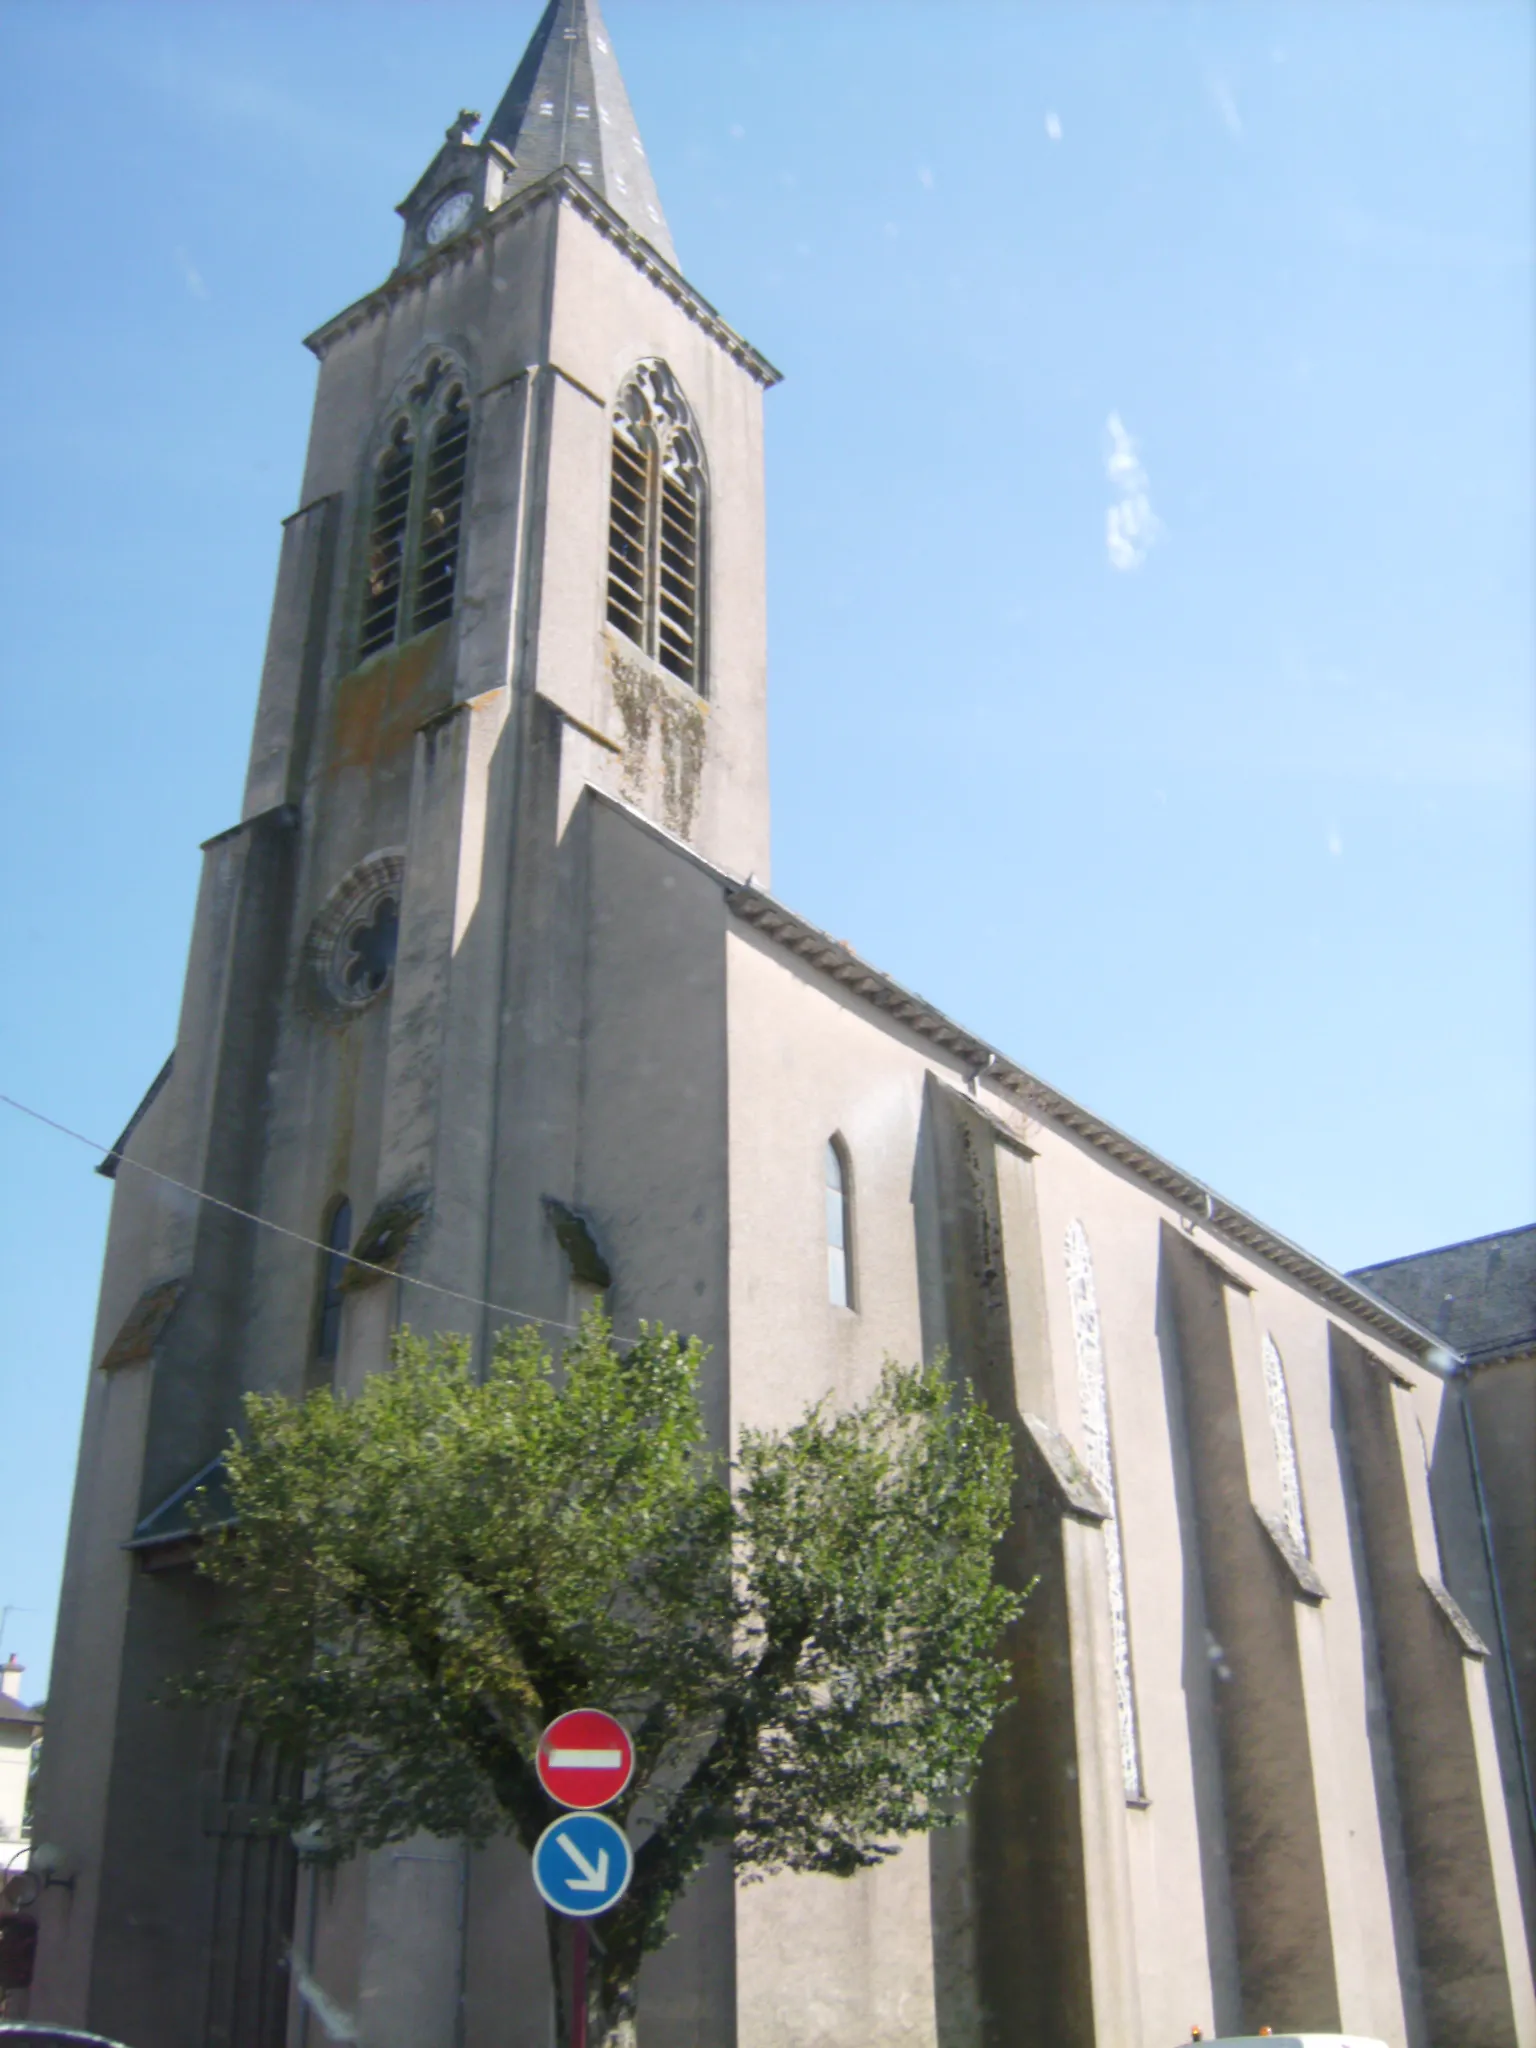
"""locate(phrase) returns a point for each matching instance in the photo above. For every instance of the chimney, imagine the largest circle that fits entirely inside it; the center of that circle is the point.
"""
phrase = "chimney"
(10, 1677)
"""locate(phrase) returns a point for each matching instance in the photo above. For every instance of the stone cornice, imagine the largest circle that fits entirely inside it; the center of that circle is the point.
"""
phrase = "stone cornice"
(565, 188)
(1506, 1351)
(107, 1167)
(1200, 1206)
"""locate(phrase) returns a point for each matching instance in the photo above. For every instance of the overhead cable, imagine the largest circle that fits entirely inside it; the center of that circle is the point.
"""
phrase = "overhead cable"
(266, 1223)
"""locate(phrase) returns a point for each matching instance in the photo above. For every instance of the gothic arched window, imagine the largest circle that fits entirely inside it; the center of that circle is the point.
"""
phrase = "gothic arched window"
(656, 524)
(417, 513)
(338, 1242)
(839, 1225)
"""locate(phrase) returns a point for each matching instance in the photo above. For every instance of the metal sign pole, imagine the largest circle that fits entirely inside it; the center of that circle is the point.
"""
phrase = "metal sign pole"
(580, 1935)
(582, 1862)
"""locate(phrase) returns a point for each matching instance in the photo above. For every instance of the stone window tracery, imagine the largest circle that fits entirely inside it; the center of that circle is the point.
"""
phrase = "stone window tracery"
(656, 523)
(1099, 1456)
(349, 953)
(371, 942)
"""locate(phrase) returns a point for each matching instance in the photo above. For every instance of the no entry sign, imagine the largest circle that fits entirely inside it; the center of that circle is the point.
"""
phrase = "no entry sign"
(585, 1759)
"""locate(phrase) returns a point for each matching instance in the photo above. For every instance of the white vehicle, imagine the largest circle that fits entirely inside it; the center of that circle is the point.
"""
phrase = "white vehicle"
(1272, 2040)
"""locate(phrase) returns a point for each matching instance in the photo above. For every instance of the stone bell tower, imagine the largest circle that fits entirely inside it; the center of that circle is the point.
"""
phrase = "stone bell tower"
(525, 577)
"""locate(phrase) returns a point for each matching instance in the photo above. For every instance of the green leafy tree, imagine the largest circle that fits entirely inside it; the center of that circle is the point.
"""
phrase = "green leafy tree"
(424, 1576)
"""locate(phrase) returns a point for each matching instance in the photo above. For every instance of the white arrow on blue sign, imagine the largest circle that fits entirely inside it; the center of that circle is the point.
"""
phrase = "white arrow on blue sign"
(582, 1864)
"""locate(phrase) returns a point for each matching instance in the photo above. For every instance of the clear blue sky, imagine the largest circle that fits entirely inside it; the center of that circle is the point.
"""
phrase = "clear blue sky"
(1150, 554)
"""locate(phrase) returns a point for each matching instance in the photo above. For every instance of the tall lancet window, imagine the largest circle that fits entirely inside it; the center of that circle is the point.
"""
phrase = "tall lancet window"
(437, 560)
(333, 1266)
(1284, 1438)
(387, 537)
(1099, 1454)
(656, 524)
(417, 513)
(839, 1225)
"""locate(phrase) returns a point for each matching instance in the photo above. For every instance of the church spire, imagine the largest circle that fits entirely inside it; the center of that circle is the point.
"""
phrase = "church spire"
(567, 105)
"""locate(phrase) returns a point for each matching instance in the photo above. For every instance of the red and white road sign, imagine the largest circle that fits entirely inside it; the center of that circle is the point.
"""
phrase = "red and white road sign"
(585, 1758)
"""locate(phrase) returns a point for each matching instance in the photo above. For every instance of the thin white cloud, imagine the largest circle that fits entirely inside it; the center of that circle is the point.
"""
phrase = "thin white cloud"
(1130, 524)
(1224, 100)
(230, 96)
(1407, 242)
(221, 96)
(191, 276)
(1053, 127)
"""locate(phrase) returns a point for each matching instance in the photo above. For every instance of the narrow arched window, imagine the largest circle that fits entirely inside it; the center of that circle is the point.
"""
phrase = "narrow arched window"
(415, 526)
(387, 536)
(677, 570)
(656, 524)
(839, 1226)
(437, 563)
(333, 1266)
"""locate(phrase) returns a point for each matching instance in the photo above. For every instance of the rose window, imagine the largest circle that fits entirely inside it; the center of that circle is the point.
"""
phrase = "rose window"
(349, 955)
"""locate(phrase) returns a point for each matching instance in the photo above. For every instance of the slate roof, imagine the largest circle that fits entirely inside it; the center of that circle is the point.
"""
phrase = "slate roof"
(567, 106)
(1202, 1206)
(13, 1710)
(1479, 1296)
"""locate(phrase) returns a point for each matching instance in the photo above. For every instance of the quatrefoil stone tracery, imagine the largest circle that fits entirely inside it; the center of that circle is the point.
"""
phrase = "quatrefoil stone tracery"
(349, 954)
(370, 946)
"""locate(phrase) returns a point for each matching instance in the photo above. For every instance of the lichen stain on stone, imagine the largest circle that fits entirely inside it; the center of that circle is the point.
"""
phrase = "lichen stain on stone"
(644, 700)
(682, 760)
(146, 1322)
(988, 1269)
(379, 708)
(434, 732)
(634, 692)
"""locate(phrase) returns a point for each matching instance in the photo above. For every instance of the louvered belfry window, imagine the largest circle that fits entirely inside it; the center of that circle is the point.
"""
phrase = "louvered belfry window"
(437, 565)
(417, 520)
(656, 524)
(628, 521)
(386, 540)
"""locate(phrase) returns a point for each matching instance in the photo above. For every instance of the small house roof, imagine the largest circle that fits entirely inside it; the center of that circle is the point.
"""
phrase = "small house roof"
(1479, 1296)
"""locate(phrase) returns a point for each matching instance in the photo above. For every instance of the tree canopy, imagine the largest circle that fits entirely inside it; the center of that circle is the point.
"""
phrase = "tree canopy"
(804, 1647)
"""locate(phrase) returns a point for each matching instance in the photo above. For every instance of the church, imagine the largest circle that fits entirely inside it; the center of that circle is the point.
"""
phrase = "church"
(489, 987)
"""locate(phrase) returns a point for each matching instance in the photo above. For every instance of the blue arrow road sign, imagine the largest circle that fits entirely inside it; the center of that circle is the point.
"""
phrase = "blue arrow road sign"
(582, 1864)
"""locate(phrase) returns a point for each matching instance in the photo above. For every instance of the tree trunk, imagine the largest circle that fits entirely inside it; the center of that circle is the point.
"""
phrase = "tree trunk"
(612, 2021)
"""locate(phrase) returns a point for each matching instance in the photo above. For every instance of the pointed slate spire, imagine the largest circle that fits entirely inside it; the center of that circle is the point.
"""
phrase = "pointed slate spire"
(567, 105)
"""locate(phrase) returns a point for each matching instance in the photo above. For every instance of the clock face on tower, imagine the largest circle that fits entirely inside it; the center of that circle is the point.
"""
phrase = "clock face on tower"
(448, 216)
